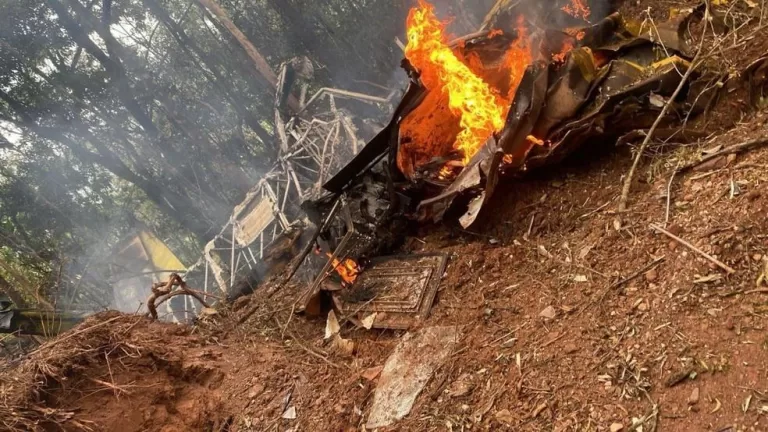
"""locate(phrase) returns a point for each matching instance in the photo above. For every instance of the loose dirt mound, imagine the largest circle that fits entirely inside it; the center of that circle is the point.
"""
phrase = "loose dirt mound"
(117, 373)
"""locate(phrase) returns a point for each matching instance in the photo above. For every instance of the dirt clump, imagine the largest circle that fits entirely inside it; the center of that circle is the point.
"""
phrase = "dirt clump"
(119, 373)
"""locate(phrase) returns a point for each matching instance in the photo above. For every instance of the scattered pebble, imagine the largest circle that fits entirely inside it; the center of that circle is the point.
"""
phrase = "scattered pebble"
(371, 374)
(548, 313)
(652, 275)
(509, 344)
(616, 427)
(256, 390)
(693, 399)
(505, 416)
(461, 387)
(675, 229)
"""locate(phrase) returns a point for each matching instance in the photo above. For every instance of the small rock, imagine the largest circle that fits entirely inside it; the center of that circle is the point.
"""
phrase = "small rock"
(672, 245)
(729, 323)
(643, 307)
(548, 313)
(693, 399)
(616, 427)
(343, 346)
(509, 343)
(675, 229)
(505, 416)
(753, 195)
(570, 348)
(371, 374)
(461, 387)
(544, 252)
(255, 391)
(651, 275)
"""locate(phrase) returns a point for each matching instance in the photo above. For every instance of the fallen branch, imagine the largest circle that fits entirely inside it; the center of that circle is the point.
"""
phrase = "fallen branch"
(164, 291)
(735, 149)
(705, 255)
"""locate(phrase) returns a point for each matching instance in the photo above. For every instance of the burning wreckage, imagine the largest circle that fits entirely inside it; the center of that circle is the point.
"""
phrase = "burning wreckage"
(523, 92)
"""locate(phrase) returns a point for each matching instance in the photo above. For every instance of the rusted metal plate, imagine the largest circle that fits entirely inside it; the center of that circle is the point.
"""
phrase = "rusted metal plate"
(399, 290)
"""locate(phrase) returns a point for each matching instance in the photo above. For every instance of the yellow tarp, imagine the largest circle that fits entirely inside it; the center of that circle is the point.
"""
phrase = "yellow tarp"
(158, 253)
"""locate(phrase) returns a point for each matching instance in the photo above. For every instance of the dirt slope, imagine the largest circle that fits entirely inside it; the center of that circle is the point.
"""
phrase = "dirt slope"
(683, 337)
(573, 318)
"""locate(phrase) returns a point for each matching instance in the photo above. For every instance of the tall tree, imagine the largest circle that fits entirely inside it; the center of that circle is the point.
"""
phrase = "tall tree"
(258, 60)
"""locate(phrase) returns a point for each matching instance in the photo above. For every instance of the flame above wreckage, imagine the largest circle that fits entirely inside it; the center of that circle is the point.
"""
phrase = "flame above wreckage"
(480, 109)
(479, 106)
(347, 269)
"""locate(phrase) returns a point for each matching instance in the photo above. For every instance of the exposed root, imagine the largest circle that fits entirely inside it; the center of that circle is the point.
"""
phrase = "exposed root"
(164, 291)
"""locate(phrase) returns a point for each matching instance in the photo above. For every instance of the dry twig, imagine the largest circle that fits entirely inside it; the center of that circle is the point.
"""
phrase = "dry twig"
(705, 255)
(631, 277)
(735, 149)
(694, 64)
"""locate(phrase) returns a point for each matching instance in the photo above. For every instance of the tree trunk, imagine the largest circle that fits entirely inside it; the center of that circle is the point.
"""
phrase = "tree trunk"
(12, 293)
(259, 62)
(112, 64)
(189, 45)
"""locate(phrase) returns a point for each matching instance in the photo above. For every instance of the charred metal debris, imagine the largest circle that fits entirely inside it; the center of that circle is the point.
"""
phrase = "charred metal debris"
(609, 87)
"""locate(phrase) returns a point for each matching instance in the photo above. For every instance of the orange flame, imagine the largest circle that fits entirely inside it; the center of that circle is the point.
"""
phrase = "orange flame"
(347, 269)
(481, 110)
(577, 9)
(479, 107)
(535, 140)
(445, 173)
(567, 47)
(517, 59)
